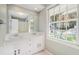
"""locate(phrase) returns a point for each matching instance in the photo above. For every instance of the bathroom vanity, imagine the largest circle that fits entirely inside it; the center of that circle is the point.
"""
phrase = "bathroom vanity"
(23, 44)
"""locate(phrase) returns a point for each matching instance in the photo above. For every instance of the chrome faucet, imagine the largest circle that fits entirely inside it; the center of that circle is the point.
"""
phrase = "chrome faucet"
(14, 52)
(18, 51)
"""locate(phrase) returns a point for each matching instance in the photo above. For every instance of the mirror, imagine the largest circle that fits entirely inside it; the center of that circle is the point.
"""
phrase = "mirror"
(25, 21)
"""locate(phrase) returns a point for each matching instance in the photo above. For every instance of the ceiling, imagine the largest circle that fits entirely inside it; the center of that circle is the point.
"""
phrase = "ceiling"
(34, 7)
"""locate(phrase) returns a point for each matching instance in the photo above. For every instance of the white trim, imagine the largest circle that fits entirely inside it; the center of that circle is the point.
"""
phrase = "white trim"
(51, 6)
(66, 20)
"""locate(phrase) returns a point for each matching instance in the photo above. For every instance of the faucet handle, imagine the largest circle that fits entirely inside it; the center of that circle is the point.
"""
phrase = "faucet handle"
(18, 51)
(14, 52)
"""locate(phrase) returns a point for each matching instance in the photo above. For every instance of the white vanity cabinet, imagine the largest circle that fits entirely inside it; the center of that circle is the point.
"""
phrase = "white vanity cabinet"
(33, 44)
(37, 44)
(7, 50)
(26, 44)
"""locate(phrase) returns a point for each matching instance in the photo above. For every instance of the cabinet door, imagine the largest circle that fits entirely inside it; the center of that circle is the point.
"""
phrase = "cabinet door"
(40, 43)
(25, 50)
(7, 50)
(28, 47)
(33, 47)
(37, 44)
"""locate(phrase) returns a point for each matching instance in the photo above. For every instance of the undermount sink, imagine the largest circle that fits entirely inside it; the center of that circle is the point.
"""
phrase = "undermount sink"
(22, 35)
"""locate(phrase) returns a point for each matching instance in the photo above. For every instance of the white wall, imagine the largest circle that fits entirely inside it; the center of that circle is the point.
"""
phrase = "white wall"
(42, 21)
(3, 27)
(59, 48)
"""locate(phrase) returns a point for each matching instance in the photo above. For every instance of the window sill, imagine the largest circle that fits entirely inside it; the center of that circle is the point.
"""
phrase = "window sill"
(70, 44)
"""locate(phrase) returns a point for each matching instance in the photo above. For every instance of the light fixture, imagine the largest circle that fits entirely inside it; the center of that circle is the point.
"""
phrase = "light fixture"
(20, 13)
(36, 8)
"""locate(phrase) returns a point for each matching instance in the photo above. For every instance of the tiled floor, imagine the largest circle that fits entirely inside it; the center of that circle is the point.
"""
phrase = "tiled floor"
(44, 52)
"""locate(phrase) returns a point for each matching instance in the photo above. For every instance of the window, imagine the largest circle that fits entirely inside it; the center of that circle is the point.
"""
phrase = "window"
(63, 22)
